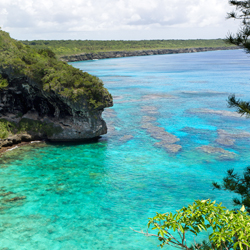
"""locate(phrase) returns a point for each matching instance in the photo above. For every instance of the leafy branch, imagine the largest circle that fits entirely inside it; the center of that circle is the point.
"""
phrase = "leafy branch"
(227, 229)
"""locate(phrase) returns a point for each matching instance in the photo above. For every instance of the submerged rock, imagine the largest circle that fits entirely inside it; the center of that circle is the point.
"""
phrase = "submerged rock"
(225, 141)
(223, 154)
(216, 112)
(149, 109)
(126, 138)
(172, 148)
(6, 194)
(167, 140)
(16, 199)
(157, 96)
(228, 139)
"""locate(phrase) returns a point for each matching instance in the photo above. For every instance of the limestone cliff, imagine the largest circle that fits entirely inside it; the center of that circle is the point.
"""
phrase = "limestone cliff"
(117, 54)
(42, 98)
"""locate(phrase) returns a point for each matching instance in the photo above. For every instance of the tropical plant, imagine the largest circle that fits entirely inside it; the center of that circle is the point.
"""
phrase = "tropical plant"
(241, 38)
(233, 182)
(241, 12)
(226, 229)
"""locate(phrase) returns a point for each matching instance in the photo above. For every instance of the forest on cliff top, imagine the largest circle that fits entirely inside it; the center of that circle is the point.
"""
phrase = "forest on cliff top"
(69, 47)
(41, 66)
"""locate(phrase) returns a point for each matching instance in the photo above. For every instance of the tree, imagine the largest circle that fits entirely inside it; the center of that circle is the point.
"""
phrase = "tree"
(239, 185)
(226, 229)
(233, 182)
(241, 12)
(242, 107)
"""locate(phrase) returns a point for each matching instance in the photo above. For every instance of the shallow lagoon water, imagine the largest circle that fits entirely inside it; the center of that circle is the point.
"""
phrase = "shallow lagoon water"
(87, 196)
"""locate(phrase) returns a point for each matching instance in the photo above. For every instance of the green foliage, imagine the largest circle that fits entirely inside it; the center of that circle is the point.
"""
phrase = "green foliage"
(69, 47)
(26, 125)
(3, 82)
(47, 53)
(233, 182)
(241, 12)
(226, 229)
(6, 128)
(34, 126)
(242, 107)
(41, 66)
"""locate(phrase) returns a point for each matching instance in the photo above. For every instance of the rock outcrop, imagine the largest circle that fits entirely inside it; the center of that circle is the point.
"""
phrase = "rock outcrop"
(44, 98)
(117, 54)
(31, 114)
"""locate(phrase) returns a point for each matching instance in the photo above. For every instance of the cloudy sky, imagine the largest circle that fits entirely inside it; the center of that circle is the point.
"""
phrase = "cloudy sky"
(116, 19)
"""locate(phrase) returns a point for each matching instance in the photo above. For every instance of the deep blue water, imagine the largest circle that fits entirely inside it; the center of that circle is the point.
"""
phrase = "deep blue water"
(87, 196)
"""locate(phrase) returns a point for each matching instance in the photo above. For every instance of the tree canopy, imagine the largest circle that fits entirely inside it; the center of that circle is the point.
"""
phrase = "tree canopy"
(226, 229)
(241, 12)
(42, 67)
(241, 38)
(233, 182)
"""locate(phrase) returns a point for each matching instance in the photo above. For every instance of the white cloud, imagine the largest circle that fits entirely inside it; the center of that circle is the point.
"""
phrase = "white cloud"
(52, 18)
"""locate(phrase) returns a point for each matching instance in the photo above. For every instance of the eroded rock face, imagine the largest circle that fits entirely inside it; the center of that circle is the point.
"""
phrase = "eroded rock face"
(46, 115)
(117, 54)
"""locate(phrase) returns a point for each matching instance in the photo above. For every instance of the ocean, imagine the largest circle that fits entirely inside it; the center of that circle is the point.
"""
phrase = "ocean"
(170, 135)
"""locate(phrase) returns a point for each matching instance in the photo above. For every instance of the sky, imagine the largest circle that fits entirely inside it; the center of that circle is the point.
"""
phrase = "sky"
(116, 19)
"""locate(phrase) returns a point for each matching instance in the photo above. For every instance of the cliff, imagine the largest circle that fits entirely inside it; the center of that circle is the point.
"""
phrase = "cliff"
(43, 98)
(117, 54)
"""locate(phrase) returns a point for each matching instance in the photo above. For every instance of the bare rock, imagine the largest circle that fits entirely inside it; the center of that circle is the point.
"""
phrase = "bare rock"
(6, 143)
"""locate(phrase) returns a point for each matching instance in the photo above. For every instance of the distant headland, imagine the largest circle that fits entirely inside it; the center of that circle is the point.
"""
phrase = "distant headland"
(80, 50)
(118, 54)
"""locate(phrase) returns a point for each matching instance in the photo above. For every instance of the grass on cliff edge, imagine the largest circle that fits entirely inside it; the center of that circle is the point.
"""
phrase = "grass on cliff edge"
(8, 128)
(42, 67)
(70, 47)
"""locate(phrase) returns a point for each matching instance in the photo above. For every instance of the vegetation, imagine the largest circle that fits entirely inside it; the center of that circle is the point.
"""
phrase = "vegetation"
(239, 185)
(8, 128)
(42, 67)
(233, 182)
(226, 229)
(69, 47)
(34, 126)
(242, 107)
(3, 82)
(241, 12)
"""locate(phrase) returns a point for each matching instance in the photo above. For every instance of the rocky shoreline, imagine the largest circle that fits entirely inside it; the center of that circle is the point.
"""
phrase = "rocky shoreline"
(118, 54)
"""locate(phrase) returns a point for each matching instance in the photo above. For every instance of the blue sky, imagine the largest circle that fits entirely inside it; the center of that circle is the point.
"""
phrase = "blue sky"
(116, 19)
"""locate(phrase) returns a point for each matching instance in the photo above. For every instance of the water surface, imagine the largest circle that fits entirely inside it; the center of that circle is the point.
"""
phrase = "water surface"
(166, 109)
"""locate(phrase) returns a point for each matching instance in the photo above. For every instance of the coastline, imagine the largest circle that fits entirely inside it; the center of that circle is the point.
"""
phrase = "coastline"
(12, 145)
(119, 54)
(7, 148)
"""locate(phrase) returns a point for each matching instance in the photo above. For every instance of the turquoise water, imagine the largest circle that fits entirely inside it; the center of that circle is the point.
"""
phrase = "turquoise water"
(87, 196)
